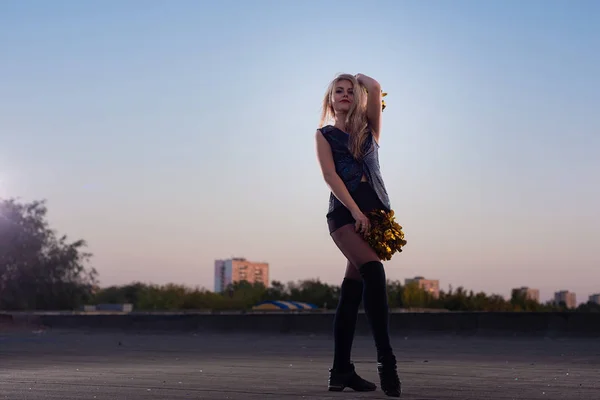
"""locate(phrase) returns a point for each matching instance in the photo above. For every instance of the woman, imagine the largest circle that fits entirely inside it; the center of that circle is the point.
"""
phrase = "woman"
(348, 155)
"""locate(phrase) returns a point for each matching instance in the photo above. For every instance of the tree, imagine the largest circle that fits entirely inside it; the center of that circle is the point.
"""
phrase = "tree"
(244, 294)
(277, 291)
(38, 268)
(414, 296)
(589, 307)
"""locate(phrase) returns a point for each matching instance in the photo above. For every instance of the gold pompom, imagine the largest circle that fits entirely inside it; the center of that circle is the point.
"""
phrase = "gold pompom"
(386, 236)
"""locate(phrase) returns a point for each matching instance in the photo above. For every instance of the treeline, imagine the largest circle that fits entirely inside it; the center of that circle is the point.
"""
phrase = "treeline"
(41, 270)
(243, 296)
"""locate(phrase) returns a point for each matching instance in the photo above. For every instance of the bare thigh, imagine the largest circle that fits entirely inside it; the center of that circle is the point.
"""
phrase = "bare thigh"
(353, 246)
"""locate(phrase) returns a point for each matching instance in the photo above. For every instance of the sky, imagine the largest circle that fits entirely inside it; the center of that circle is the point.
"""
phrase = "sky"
(171, 134)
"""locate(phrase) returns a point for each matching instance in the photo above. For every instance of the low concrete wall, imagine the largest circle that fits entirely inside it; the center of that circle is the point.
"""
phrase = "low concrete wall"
(405, 323)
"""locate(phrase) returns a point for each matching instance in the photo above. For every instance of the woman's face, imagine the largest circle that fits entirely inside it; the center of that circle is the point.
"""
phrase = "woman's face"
(343, 96)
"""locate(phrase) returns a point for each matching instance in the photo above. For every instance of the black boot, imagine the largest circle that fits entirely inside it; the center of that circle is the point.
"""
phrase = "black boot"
(339, 380)
(376, 308)
(388, 377)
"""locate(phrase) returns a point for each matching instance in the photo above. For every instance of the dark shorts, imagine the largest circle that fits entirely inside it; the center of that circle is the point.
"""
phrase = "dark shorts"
(366, 199)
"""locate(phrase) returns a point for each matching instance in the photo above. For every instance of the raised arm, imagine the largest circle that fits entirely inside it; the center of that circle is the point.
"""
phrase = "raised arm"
(373, 103)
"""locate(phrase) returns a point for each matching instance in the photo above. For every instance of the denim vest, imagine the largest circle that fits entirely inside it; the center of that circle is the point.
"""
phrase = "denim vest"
(351, 170)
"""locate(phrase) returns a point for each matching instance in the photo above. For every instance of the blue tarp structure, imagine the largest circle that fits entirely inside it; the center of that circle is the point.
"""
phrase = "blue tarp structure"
(278, 305)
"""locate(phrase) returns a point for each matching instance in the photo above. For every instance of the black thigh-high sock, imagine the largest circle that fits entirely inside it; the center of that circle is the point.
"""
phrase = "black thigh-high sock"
(376, 308)
(344, 323)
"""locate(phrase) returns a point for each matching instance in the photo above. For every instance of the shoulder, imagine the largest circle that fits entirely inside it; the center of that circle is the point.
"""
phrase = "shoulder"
(326, 132)
(321, 136)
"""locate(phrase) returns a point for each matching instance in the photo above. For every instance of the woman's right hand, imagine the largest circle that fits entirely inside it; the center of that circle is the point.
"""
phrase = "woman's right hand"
(362, 225)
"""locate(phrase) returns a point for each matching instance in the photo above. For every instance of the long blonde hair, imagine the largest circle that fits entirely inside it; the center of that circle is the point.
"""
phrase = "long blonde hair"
(356, 123)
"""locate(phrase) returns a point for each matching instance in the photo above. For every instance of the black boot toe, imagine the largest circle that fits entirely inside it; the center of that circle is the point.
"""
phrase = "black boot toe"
(339, 380)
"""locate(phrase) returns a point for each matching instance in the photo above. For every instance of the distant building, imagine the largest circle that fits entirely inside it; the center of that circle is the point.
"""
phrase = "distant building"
(239, 269)
(595, 298)
(529, 293)
(564, 296)
(432, 286)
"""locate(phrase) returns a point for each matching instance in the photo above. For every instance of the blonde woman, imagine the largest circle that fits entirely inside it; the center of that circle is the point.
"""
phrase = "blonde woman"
(348, 156)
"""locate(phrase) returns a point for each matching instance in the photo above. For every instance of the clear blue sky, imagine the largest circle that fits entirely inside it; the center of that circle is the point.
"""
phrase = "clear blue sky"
(168, 134)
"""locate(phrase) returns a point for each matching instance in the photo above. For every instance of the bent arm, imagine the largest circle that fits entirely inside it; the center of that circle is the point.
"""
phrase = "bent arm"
(373, 103)
(331, 176)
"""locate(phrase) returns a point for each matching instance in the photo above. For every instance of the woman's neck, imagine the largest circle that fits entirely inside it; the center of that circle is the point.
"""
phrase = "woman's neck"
(340, 121)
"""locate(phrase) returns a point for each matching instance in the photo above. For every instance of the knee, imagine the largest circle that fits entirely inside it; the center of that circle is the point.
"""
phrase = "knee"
(352, 273)
(351, 293)
(352, 287)
(373, 272)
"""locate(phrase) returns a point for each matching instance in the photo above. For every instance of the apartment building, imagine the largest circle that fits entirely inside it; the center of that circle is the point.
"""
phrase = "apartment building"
(432, 286)
(567, 297)
(239, 269)
(529, 293)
